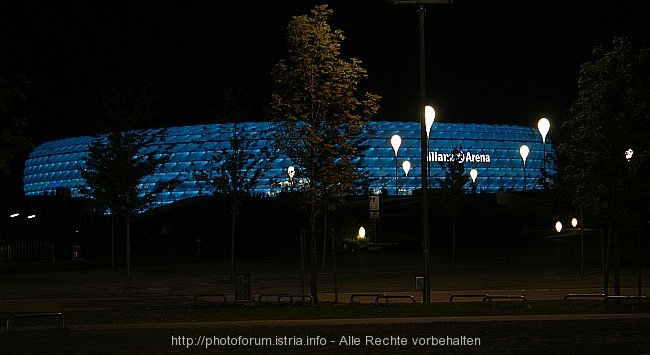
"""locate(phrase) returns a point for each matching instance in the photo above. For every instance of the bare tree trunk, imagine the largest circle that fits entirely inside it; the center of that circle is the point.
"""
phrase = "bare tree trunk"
(617, 260)
(128, 252)
(324, 242)
(610, 231)
(453, 233)
(112, 241)
(314, 256)
(336, 290)
(603, 258)
(232, 247)
(639, 235)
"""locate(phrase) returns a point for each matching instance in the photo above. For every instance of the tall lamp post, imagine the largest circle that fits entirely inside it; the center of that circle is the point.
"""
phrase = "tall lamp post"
(429, 117)
(406, 166)
(544, 125)
(426, 292)
(628, 156)
(291, 171)
(473, 174)
(396, 141)
(523, 151)
(574, 224)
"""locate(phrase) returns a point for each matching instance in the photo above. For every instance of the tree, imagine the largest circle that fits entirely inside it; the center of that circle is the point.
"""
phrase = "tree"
(610, 116)
(454, 190)
(320, 115)
(13, 123)
(119, 160)
(236, 170)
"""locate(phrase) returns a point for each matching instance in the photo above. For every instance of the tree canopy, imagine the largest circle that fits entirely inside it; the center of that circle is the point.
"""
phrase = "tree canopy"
(124, 154)
(320, 114)
(610, 116)
(236, 170)
(120, 157)
(12, 123)
(319, 110)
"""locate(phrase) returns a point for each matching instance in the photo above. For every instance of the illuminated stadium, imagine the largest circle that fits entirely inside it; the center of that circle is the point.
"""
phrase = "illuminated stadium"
(493, 150)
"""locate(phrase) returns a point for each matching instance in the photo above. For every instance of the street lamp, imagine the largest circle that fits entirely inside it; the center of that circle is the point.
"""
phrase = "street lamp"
(628, 155)
(574, 224)
(473, 174)
(362, 233)
(558, 226)
(291, 171)
(544, 125)
(426, 292)
(429, 117)
(406, 166)
(396, 141)
(523, 151)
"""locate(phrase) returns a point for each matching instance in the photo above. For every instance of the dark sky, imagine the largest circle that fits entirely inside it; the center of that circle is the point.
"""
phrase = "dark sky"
(506, 62)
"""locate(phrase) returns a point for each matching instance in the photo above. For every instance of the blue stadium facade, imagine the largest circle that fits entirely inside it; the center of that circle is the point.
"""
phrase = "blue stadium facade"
(493, 150)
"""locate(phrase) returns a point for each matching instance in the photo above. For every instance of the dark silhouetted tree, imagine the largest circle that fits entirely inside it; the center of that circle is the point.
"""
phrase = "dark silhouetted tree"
(610, 116)
(123, 155)
(455, 190)
(235, 171)
(12, 136)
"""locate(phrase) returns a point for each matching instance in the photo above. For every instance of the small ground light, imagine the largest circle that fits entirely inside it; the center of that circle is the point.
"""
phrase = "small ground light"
(558, 226)
(362, 233)
(574, 222)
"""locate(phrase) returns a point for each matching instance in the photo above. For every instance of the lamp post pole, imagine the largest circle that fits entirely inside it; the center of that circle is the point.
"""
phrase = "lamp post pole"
(396, 141)
(291, 171)
(406, 166)
(543, 125)
(523, 151)
(424, 163)
(574, 224)
(429, 117)
(426, 292)
(473, 174)
(630, 169)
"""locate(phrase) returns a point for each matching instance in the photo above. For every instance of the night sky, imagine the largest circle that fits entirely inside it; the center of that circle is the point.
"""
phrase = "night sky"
(505, 62)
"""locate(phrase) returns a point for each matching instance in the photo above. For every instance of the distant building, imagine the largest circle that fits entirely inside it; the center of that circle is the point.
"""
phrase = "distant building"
(493, 150)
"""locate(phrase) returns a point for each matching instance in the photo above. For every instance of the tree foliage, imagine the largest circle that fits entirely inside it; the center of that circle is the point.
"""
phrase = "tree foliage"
(454, 189)
(454, 184)
(125, 153)
(235, 171)
(12, 122)
(320, 115)
(319, 111)
(610, 116)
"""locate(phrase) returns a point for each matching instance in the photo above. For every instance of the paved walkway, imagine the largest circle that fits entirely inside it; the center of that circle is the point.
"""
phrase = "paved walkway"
(356, 321)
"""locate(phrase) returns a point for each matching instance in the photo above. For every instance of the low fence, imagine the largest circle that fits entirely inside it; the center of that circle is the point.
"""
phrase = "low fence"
(27, 251)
